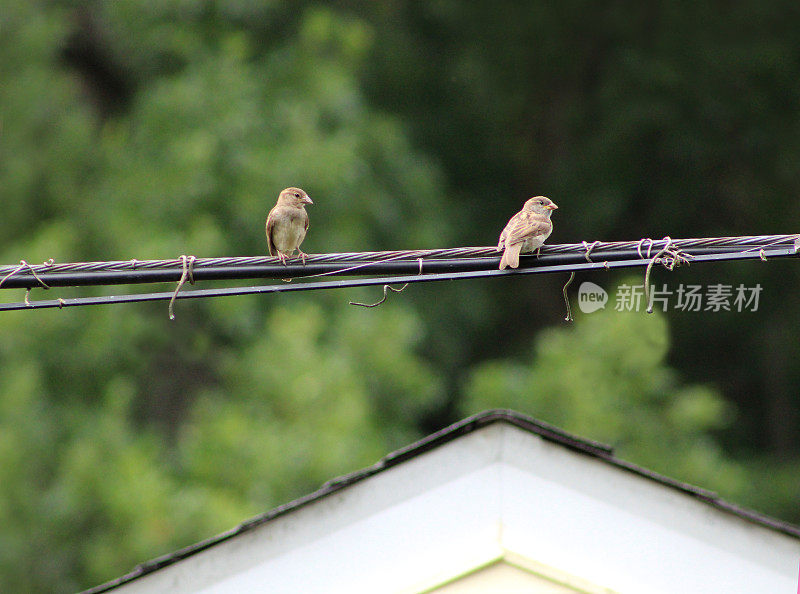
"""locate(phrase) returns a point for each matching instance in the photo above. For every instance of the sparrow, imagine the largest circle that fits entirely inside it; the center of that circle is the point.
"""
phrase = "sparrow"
(526, 231)
(287, 224)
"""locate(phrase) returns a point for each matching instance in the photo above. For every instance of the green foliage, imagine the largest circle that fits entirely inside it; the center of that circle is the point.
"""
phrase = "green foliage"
(125, 436)
(606, 378)
(313, 398)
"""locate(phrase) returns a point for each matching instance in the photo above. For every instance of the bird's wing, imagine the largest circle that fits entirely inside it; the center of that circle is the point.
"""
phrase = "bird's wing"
(270, 224)
(524, 225)
(501, 242)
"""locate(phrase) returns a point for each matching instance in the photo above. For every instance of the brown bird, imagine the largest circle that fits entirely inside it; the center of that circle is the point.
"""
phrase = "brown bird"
(287, 224)
(526, 231)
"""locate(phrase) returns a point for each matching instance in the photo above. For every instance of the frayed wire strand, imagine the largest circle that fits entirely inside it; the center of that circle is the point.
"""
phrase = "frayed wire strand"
(674, 257)
(641, 243)
(187, 263)
(386, 289)
(566, 299)
(589, 247)
(372, 263)
(22, 265)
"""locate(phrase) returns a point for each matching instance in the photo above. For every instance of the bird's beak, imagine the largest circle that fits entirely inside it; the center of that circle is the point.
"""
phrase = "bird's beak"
(307, 199)
(551, 206)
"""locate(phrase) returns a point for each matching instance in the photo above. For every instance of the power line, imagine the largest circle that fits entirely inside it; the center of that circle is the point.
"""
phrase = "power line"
(786, 246)
(299, 271)
(744, 241)
(452, 260)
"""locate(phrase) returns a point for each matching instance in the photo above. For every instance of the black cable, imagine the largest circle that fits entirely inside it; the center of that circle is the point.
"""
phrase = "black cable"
(25, 279)
(529, 267)
(644, 247)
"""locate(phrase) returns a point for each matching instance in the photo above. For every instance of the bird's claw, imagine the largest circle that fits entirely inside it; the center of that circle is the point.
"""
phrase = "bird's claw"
(303, 257)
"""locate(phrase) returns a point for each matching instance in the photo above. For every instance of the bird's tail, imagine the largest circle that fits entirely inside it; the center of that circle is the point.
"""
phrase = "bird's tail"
(510, 257)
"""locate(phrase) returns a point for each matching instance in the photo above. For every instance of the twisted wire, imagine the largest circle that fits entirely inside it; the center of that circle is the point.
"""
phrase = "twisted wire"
(364, 282)
(745, 243)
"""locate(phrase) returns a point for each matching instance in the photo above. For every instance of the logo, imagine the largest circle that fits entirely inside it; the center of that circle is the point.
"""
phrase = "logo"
(591, 297)
(714, 298)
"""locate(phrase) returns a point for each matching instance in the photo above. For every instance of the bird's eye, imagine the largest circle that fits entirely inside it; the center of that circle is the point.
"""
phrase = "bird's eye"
(296, 195)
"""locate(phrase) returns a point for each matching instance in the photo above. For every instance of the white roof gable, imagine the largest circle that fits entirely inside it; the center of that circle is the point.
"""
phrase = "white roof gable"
(496, 487)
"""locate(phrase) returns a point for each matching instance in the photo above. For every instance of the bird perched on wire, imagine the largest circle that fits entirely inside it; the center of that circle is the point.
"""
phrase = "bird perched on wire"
(526, 231)
(287, 224)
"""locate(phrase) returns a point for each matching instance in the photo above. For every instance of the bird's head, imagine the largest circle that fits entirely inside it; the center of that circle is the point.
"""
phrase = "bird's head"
(294, 197)
(540, 205)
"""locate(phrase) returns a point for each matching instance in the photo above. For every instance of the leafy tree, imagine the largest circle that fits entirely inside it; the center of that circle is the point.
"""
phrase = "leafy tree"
(606, 378)
(127, 436)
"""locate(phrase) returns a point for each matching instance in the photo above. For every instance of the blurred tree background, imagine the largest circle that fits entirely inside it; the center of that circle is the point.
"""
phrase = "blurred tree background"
(154, 128)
